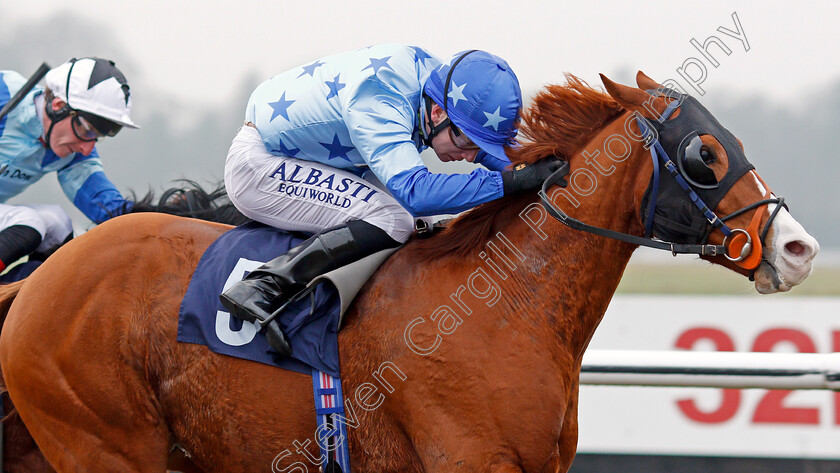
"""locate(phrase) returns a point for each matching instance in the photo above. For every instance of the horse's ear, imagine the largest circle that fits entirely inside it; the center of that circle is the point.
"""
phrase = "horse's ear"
(634, 99)
(645, 82)
(630, 98)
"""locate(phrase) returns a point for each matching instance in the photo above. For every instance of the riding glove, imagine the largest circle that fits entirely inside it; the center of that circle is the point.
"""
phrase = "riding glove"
(529, 176)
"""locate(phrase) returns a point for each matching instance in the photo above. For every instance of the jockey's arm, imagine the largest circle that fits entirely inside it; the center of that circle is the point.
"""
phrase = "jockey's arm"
(381, 121)
(84, 182)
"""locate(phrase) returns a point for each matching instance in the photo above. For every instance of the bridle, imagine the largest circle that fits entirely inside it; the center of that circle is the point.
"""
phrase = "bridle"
(743, 247)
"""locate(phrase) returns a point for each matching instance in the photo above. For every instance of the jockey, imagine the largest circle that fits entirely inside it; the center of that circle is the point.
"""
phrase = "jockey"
(333, 148)
(56, 130)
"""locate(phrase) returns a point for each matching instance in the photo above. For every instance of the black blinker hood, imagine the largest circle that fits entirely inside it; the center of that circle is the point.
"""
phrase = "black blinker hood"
(676, 218)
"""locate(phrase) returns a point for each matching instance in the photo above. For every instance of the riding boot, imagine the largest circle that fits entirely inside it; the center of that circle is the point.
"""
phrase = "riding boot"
(17, 241)
(266, 288)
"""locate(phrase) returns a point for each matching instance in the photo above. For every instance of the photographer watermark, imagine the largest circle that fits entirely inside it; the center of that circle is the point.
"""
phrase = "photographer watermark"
(500, 258)
(583, 181)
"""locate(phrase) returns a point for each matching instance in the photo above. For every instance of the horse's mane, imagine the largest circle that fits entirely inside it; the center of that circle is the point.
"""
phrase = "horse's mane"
(192, 201)
(561, 119)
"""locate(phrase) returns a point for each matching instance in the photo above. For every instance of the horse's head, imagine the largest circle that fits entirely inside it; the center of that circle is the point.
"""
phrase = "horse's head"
(708, 168)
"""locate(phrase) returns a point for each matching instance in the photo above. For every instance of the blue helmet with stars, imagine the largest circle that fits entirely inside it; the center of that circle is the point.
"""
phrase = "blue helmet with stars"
(483, 98)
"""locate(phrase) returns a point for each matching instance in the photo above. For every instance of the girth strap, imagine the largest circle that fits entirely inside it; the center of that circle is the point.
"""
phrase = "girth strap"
(331, 434)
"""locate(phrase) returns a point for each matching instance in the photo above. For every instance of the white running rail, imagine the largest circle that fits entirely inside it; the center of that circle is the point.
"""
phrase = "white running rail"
(711, 369)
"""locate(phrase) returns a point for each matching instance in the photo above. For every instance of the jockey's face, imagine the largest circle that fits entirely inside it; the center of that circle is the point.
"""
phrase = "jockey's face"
(443, 145)
(63, 141)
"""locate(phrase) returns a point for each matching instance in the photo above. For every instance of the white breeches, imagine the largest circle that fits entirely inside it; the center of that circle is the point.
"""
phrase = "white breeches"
(293, 194)
(50, 221)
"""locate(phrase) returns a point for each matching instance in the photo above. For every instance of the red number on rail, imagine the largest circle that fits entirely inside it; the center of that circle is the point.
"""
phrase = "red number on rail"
(771, 409)
(731, 397)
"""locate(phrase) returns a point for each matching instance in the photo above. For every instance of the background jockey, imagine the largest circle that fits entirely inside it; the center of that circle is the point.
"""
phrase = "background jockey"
(321, 139)
(55, 130)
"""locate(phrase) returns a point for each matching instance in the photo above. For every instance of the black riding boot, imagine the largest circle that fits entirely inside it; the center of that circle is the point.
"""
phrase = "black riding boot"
(266, 288)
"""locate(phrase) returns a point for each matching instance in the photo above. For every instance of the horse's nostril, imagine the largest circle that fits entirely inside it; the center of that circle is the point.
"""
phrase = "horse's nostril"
(796, 248)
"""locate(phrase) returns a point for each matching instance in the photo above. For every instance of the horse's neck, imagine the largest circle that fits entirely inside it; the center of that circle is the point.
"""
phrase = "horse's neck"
(540, 283)
(571, 275)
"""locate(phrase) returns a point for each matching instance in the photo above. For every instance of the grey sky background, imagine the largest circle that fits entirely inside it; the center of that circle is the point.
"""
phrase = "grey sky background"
(192, 66)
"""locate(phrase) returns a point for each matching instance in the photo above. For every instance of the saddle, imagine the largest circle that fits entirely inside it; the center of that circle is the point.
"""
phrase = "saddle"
(312, 322)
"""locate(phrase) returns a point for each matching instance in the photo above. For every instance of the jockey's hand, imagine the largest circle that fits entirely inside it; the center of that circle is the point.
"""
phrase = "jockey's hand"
(529, 176)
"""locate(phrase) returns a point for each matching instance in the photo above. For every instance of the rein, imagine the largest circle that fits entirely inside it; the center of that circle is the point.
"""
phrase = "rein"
(557, 213)
(739, 241)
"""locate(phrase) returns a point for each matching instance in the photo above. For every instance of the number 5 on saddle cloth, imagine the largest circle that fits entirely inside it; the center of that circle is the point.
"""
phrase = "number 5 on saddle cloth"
(311, 322)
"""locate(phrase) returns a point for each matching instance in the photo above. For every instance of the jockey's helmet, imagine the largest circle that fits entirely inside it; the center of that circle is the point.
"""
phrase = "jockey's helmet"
(482, 98)
(95, 89)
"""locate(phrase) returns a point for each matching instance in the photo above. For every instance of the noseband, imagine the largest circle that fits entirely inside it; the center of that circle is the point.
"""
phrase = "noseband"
(740, 246)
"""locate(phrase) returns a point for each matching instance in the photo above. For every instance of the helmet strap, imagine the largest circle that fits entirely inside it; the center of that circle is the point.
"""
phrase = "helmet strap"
(55, 116)
(64, 112)
(434, 129)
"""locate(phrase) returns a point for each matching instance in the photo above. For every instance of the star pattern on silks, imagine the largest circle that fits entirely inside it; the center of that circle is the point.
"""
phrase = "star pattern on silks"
(377, 64)
(310, 69)
(456, 93)
(493, 119)
(334, 86)
(336, 149)
(281, 148)
(420, 55)
(280, 107)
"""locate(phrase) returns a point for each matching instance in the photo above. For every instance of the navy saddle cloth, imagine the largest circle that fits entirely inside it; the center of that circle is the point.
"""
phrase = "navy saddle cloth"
(311, 324)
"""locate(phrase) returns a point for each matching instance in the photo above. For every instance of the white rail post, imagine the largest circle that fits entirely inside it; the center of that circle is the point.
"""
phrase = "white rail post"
(711, 369)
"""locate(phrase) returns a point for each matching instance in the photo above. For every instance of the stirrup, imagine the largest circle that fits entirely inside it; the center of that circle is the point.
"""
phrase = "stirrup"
(277, 339)
(274, 335)
(295, 298)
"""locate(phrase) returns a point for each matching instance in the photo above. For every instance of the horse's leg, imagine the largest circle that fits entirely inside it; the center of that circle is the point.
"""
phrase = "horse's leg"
(20, 453)
(567, 445)
(81, 432)
(100, 417)
(561, 460)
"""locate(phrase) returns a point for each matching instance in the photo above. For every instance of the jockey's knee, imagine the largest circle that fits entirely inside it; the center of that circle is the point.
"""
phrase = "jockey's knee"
(21, 232)
(58, 227)
(17, 241)
(403, 228)
(32, 229)
(396, 222)
(371, 237)
(11, 215)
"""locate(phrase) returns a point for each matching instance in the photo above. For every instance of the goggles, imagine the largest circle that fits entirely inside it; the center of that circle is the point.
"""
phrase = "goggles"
(461, 140)
(103, 126)
(87, 127)
(83, 130)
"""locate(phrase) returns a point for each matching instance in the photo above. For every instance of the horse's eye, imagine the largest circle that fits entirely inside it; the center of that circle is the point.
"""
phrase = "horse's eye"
(693, 162)
(708, 155)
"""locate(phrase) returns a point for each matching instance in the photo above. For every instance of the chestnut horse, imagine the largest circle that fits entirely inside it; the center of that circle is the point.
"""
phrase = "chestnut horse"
(20, 453)
(462, 353)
